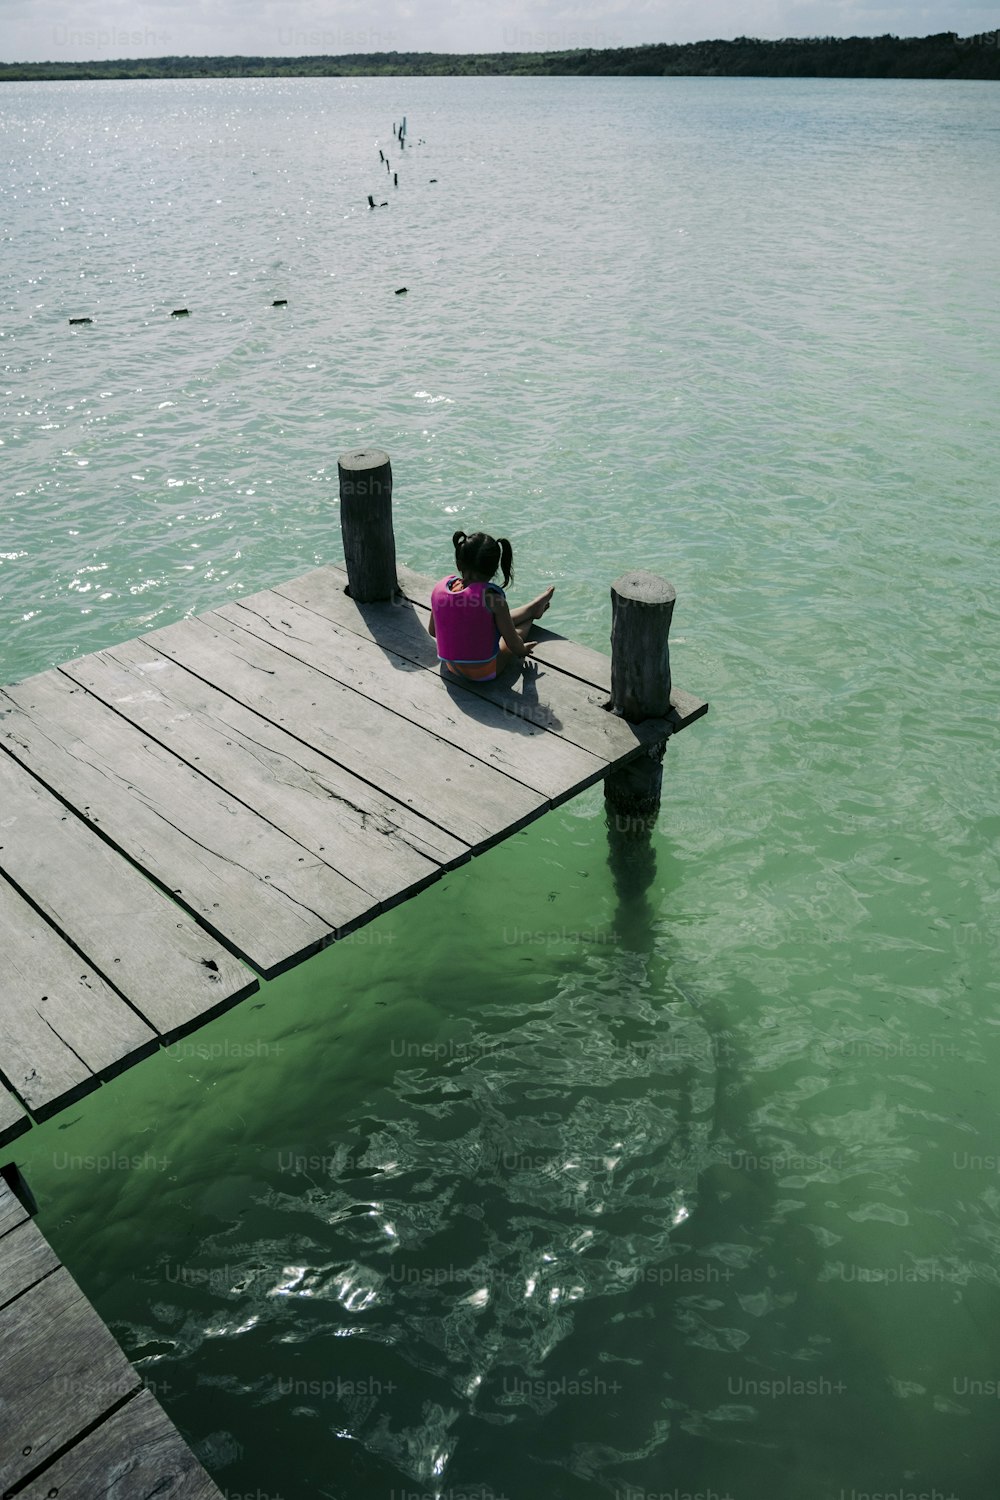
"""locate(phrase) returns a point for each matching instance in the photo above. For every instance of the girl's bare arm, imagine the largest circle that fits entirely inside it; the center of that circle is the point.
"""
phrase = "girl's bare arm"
(515, 643)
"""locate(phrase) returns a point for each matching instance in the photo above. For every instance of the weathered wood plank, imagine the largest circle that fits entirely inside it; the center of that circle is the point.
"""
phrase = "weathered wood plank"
(571, 710)
(453, 790)
(60, 1371)
(25, 1257)
(322, 589)
(135, 1454)
(251, 885)
(380, 845)
(165, 965)
(554, 649)
(12, 1210)
(13, 1120)
(61, 1027)
(381, 651)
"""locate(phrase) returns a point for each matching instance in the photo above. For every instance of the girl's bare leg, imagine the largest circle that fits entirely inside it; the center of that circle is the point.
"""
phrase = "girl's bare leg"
(526, 614)
(523, 619)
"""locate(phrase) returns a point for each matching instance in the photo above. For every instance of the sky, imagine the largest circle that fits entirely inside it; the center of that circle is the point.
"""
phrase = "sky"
(79, 30)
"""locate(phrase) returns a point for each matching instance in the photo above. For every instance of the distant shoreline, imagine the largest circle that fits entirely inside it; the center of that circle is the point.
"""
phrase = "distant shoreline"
(942, 56)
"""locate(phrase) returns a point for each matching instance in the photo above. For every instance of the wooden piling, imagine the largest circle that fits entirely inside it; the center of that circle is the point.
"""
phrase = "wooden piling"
(642, 606)
(366, 524)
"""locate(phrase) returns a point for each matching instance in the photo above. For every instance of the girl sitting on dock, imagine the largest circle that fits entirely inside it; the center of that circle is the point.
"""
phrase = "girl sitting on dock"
(475, 630)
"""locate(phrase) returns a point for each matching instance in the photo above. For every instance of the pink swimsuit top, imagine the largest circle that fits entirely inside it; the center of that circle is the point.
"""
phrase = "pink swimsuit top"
(465, 630)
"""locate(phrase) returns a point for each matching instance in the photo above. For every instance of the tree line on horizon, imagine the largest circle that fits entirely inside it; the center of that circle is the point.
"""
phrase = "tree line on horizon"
(944, 55)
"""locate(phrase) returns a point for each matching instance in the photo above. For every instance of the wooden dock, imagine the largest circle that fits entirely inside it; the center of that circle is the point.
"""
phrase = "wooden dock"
(223, 797)
(216, 801)
(75, 1417)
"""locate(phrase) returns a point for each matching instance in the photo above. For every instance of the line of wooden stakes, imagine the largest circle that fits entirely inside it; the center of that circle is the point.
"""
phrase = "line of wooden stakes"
(399, 133)
(181, 312)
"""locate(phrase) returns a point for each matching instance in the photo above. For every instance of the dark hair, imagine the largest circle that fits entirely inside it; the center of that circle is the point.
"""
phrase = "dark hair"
(483, 554)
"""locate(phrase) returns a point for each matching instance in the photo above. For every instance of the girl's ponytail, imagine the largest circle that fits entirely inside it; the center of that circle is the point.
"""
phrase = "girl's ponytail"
(506, 560)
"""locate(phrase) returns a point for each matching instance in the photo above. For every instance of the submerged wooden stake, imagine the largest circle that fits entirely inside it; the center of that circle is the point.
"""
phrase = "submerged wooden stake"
(366, 524)
(642, 605)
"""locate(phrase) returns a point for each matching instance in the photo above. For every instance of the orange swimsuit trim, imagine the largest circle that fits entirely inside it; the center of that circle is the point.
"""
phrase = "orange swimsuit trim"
(476, 672)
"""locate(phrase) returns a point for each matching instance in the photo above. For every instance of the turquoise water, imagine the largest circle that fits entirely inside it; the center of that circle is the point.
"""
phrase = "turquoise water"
(571, 1177)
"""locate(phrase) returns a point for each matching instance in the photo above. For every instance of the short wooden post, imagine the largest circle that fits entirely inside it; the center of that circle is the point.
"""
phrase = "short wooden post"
(642, 605)
(366, 524)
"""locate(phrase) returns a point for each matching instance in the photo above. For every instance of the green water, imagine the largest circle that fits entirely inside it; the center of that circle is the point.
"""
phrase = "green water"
(574, 1176)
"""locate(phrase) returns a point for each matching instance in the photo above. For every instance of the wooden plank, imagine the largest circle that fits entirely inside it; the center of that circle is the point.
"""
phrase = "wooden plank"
(12, 1210)
(474, 803)
(554, 649)
(165, 965)
(60, 1372)
(570, 710)
(61, 1027)
(13, 1120)
(252, 886)
(381, 651)
(136, 1453)
(382, 846)
(25, 1257)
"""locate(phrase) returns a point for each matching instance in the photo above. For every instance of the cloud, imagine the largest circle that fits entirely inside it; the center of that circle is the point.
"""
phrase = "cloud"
(68, 30)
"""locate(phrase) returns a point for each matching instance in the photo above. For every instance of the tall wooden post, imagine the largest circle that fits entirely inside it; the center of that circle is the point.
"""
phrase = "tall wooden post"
(366, 524)
(642, 605)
